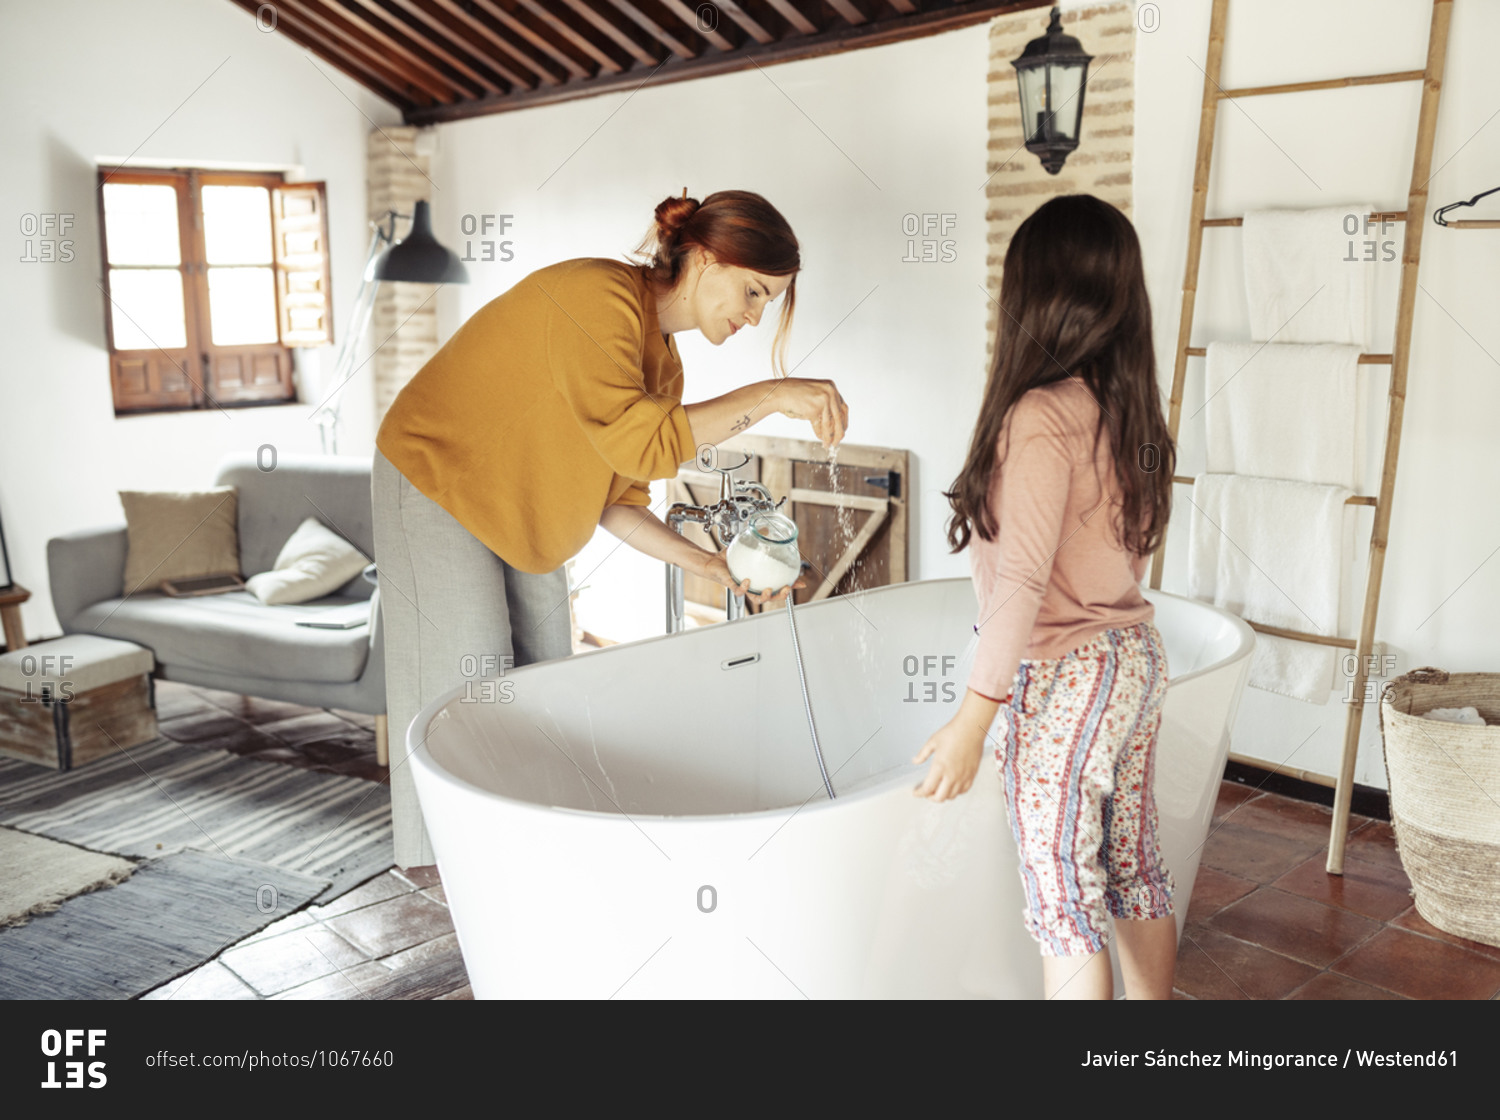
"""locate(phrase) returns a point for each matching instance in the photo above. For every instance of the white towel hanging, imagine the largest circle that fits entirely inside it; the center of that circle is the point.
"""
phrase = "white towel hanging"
(1305, 274)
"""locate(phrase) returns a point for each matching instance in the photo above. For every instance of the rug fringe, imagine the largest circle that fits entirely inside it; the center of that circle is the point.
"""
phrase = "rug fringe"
(112, 879)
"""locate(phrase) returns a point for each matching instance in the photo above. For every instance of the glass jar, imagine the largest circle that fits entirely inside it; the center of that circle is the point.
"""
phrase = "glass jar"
(765, 553)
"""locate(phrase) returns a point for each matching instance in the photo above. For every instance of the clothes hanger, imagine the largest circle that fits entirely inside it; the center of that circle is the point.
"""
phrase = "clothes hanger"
(1437, 215)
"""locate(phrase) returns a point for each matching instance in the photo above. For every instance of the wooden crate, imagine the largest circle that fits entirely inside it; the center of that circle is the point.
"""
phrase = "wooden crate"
(64, 733)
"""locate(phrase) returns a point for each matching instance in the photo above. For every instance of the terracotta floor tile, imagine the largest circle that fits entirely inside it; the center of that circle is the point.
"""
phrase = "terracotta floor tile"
(1330, 985)
(1248, 853)
(1213, 966)
(281, 963)
(359, 719)
(201, 727)
(174, 700)
(1371, 889)
(395, 924)
(256, 710)
(1212, 891)
(210, 981)
(1422, 967)
(1294, 926)
(1302, 821)
(299, 920)
(1374, 842)
(358, 981)
(420, 877)
(444, 947)
(1231, 796)
(383, 886)
(436, 977)
(1414, 921)
(318, 727)
(216, 697)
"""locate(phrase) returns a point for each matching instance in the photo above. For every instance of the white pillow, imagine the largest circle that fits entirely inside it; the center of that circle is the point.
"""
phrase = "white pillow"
(313, 563)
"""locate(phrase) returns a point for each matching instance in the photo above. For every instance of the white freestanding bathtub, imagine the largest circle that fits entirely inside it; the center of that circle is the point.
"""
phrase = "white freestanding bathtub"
(648, 820)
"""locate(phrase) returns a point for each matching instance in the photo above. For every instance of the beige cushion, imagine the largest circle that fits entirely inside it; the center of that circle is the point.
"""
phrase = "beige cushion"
(74, 664)
(179, 535)
(314, 562)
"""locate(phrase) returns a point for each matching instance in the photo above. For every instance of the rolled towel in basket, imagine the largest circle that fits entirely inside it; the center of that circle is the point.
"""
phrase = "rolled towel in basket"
(1305, 276)
(1469, 715)
(1272, 551)
(1276, 410)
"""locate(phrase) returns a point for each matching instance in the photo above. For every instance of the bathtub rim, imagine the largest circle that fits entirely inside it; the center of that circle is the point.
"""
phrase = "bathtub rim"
(421, 759)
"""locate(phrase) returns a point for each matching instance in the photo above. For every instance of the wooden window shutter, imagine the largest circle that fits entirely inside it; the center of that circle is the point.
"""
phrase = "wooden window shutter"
(299, 231)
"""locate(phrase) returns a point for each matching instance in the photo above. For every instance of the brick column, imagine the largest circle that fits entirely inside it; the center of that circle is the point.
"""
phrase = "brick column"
(403, 327)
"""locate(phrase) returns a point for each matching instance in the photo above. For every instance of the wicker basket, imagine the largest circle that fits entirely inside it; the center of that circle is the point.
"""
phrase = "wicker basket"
(1444, 781)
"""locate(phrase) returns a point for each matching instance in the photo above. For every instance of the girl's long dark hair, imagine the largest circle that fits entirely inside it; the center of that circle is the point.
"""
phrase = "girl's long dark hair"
(1073, 304)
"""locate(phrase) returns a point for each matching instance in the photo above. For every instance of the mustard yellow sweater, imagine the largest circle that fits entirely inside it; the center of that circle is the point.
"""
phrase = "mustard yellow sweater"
(556, 400)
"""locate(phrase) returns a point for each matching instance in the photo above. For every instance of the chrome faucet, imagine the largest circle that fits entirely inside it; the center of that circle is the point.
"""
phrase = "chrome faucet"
(739, 501)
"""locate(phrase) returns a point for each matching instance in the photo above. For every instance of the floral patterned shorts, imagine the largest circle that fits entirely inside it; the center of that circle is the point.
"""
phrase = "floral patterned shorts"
(1077, 760)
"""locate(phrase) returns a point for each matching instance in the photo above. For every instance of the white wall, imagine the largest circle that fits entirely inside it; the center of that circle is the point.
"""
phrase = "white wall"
(1440, 602)
(84, 80)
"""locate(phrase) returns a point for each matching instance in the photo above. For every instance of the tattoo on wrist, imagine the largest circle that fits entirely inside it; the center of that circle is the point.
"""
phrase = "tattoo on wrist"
(741, 424)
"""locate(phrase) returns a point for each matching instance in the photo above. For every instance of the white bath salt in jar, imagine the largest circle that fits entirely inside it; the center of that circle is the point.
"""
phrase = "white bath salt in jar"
(766, 553)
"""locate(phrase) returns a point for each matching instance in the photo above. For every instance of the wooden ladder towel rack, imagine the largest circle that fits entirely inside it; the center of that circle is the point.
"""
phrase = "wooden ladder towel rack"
(1414, 217)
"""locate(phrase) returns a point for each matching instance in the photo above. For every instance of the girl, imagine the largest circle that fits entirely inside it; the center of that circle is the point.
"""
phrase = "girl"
(547, 414)
(1065, 492)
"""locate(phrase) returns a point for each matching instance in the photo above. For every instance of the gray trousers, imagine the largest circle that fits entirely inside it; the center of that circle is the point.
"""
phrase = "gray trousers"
(448, 604)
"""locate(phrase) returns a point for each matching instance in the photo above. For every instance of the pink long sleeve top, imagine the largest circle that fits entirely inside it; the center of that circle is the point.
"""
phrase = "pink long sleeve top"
(1056, 575)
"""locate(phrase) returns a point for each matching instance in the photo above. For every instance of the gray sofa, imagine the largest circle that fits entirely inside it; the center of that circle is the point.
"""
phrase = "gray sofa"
(233, 641)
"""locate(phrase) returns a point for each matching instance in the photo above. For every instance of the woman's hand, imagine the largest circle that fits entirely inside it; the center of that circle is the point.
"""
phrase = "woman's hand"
(716, 568)
(955, 750)
(817, 402)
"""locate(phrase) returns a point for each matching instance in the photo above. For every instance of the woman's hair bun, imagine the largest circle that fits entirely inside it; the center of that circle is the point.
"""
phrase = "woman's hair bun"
(674, 213)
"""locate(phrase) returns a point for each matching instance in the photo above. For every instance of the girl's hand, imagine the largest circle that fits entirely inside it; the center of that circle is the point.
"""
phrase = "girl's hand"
(955, 750)
(817, 402)
(716, 568)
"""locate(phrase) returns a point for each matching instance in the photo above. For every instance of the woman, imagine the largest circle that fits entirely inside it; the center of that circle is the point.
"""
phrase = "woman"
(1062, 504)
(547, 414)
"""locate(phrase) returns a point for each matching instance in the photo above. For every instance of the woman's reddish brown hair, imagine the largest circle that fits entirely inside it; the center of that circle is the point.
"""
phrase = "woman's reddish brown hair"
(737, 228)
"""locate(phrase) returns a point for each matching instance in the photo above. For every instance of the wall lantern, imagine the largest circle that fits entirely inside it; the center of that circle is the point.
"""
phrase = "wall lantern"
(1052, 72)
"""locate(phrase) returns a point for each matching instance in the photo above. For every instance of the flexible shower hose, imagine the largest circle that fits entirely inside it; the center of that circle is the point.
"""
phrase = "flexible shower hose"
(807, 700)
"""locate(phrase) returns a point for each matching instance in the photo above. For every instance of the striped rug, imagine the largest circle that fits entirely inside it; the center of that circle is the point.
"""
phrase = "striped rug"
(172, 915)
(164, 797)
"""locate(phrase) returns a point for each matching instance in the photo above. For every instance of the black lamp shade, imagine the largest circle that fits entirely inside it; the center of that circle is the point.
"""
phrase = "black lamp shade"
(418, 258)
(1052, 73)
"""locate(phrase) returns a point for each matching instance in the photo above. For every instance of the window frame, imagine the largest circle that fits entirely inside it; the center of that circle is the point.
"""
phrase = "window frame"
(200, 374)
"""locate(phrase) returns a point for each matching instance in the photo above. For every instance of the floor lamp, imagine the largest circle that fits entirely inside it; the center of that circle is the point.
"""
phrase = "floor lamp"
(418, 259)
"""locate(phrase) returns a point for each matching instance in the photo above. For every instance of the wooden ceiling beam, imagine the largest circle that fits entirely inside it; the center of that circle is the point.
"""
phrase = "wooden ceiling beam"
(654, 29)
(372, 76)
(341, 26)
(851, 13)
(628, 42)
(840, 37)
(516, 26)
(374, 15)
(905, 7)
(690, 19)
(573, 35)
(747, 22)
(794, 16)
(455, 31)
